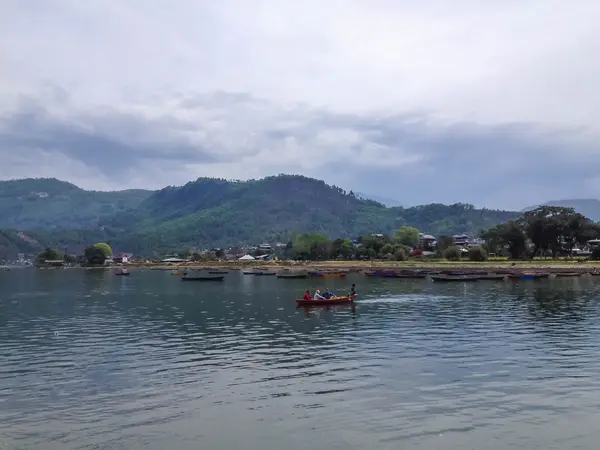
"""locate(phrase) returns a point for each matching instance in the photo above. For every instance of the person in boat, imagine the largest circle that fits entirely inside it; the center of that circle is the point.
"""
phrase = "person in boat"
(328, 294)
(318, 295)
(307, 295)
(353, 290)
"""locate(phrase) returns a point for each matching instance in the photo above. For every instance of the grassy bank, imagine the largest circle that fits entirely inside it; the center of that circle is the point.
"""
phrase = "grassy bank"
(434, 264)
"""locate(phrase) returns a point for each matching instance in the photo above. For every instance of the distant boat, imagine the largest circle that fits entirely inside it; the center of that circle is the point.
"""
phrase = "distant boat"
(567, 274)
(264, 273)
(122, 272)
(528, 276)
(218, 271)
(202, 277)
(332, 274)
(449, 278)
(492, 276)
(290, 274)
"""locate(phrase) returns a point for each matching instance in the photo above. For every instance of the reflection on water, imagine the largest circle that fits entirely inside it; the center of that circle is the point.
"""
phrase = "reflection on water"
(90, 360)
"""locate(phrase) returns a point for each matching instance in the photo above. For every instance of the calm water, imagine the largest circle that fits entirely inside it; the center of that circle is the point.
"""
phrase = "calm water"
(95, 361)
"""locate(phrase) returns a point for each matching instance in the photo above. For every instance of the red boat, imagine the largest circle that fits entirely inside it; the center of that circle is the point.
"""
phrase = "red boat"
(331, 301)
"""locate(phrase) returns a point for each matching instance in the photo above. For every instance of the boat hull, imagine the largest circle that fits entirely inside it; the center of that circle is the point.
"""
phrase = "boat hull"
(213, 278)
(454, 278)
(332, 301)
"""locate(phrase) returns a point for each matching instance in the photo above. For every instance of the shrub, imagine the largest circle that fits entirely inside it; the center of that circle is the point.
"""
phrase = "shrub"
(477, 254)
(452, 253)
(400, 255)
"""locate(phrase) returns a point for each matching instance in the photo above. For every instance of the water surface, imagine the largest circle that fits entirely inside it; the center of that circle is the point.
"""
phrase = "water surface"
(89, 360)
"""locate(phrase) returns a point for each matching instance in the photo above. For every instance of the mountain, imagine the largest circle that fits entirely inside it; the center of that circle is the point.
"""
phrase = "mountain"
(588, 207)
(390, 203)
(214, 213)
(49, 203)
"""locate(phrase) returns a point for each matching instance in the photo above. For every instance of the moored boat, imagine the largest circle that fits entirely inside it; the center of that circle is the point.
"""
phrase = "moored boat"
(122, 272)
(492, 276)
(218, 271)
(332, 274)
(291, 274)
(202, 277)
(332, 301)
(528, 276)
(264, 273)
(567, 274)
(449, 278)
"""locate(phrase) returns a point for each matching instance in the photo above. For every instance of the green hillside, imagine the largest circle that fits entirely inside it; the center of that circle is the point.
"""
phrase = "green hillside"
(589, 207)
(217, 213)
(48, 203)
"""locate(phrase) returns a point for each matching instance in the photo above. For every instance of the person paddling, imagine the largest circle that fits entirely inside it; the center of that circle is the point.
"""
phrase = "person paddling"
(307, 295)
(353, 290)
(318, 295)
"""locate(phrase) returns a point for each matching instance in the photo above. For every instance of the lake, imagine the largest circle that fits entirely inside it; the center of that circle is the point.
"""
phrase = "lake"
(89, 360)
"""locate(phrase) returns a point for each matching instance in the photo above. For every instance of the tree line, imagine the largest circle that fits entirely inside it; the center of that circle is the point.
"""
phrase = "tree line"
(545, 231)
(95, 255)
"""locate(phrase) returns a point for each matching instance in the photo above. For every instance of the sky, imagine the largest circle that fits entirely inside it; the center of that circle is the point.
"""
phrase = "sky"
(491, 103)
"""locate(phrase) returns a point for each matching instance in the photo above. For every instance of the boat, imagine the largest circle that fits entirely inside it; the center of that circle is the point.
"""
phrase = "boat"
(291, 274)
(528, 276)
(332, 301)
(567, 274)
(218, 271)
(249, 272)
(207, 277)
(179, 273)
(492, 276)
(455, 278)
(264, 273)
(122, 272)
(332, 274)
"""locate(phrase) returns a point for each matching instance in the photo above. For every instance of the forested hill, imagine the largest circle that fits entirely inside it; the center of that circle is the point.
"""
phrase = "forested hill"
(48, 203)
(213, 213)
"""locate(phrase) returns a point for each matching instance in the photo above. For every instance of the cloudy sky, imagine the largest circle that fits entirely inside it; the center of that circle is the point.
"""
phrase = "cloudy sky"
(492, 103)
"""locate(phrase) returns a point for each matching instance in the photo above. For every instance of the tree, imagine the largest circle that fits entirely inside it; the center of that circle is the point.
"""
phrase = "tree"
(508, 235)
(452, 253)
(69, 259)
(49, 254)
(444, 242)
(554, 228)
(95, 255)
(408, 236)
(477, 254)
(105, 249)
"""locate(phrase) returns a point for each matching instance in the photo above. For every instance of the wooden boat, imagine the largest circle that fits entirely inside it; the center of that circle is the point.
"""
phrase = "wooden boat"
(264, 273)
(448, 278)
(122, 272)
(218, 272)
(332, 274)
(179, 273)
(492, 276)
(528, 276)
(332, 301)
(567, 274)
(202, 277)
(290, 274)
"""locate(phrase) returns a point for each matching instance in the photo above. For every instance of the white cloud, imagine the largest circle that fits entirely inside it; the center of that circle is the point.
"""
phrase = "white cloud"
(348, 90)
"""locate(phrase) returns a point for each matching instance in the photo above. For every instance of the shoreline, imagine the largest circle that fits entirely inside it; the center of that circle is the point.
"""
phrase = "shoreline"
(551, 266)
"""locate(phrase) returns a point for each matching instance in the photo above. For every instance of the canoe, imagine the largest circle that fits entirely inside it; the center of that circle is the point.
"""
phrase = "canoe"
(331, 301)
(455, 278)
(492, 276)
(528, 276)
(292, 275)
(203, 278)
(332, 275)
